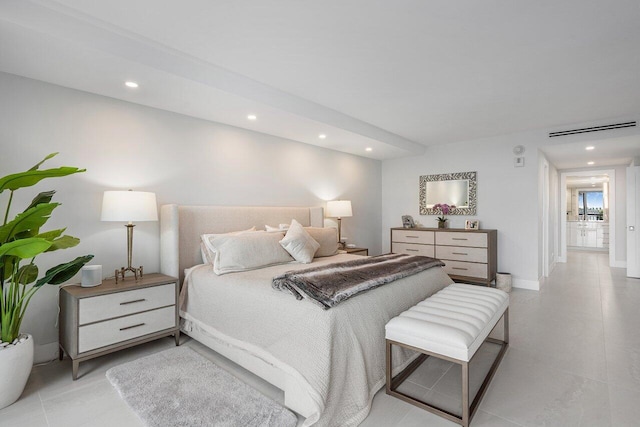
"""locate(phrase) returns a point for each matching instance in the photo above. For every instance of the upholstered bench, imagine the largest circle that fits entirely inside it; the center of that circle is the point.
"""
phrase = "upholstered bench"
(452, 324)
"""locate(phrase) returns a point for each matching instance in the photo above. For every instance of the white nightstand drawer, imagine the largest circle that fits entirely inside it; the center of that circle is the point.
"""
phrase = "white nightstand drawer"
(461, 253)
(409, 236)
(95, 309)
(478, 240)
(413, 249)
(460, 268)
(125, 328)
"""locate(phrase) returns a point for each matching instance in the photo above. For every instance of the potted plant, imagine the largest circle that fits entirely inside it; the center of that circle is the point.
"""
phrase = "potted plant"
(21, 241)
(445, 209)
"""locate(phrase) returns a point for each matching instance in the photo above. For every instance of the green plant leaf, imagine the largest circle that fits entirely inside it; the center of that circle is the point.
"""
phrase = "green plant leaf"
(27, 274)
(29, 220)
(53, 234)
(7, 266)
(64, 242)
(63, 272)
(25, 248)
(44, 197)
(43, 160)
(32, 177)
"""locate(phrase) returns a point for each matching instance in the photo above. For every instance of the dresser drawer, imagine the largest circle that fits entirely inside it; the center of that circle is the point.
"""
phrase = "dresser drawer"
(113, 331)
(408, 236)
(412, 249)
(469, 269)
(461, 253)
(95, 309)
(478, 240)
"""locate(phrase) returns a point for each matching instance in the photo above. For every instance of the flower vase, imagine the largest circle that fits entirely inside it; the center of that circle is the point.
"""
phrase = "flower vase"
(442, 224)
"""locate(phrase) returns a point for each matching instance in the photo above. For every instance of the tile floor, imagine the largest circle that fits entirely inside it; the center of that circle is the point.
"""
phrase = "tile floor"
(574, 360)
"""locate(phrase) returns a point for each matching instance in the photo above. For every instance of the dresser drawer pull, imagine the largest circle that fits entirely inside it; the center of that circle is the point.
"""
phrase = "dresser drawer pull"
(413, 237)
(133, 326)
(459, 268)
(132, 302)
(458, 238)
(459, 253)
(412, 250)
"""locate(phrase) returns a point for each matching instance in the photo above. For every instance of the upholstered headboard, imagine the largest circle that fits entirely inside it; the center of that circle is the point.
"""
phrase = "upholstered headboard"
(181, 227)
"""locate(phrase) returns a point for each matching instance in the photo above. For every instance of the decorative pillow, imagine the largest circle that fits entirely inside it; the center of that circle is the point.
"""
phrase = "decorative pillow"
(206, 247)
(299, 243)
(248, 251)
(328, 239)
(280, 227)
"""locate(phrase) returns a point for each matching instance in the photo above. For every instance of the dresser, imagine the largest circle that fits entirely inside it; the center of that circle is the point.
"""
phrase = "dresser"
(470, 255)
(110, 317)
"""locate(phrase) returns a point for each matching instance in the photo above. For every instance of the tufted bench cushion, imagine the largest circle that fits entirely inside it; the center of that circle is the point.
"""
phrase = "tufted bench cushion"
(454, 322)
(452, 325)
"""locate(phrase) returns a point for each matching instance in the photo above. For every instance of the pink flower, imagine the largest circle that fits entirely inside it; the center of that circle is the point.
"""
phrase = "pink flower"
(445, 209)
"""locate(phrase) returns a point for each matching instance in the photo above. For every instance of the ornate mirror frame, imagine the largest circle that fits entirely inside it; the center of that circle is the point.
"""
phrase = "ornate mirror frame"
(473, 189)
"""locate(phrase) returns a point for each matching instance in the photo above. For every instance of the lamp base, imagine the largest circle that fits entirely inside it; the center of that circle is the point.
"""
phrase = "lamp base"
(137, 273)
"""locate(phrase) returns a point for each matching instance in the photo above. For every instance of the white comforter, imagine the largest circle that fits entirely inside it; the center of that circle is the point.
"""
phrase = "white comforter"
(337, 355)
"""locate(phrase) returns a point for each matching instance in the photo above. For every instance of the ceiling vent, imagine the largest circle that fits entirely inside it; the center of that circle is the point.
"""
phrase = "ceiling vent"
(592, 129)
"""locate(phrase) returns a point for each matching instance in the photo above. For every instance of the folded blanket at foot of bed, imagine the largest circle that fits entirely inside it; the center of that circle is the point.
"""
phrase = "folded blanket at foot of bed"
(328, 285)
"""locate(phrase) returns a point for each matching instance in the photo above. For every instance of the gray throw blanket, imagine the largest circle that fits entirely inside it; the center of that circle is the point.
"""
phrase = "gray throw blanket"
(328, 285)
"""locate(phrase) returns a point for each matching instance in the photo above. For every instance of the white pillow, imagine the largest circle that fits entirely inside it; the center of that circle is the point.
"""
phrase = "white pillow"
(299, 243)
(280, 227)
(248, 251)
(328, 239)
(206, 248)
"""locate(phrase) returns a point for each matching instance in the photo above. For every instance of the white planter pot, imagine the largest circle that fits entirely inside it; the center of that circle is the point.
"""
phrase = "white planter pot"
(16, 362)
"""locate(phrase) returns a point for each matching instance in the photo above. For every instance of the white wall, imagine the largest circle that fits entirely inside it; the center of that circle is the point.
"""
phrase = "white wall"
(507, 196)
(184, 160)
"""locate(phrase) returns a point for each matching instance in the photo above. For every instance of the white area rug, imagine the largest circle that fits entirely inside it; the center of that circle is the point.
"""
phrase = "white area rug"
(178, 387)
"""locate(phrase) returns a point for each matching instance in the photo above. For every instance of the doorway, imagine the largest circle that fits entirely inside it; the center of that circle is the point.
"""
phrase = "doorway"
(588, 212)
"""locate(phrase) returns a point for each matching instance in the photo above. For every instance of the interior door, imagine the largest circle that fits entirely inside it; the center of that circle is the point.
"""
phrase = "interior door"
(633, 221)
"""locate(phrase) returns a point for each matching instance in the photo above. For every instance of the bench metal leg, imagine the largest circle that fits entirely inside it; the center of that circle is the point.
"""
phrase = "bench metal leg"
(465, 394)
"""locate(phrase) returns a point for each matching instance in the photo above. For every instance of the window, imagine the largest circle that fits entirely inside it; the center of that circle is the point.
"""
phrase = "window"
(591, 202)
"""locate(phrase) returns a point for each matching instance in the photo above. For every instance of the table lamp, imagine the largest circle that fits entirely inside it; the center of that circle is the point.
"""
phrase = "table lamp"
(129, 206)
(339, 209)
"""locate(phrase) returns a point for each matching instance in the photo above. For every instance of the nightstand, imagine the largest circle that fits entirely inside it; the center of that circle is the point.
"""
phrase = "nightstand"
(111, 317)
(357, 251)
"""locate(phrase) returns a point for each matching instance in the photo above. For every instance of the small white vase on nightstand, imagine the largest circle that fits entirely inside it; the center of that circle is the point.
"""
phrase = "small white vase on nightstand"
(16, 361)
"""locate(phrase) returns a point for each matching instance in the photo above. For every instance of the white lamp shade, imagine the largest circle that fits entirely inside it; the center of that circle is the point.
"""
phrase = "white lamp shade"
(339, 209)
(129, 206)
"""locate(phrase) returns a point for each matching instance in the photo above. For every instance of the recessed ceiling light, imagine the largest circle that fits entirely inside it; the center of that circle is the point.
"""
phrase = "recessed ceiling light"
(131, 84)
(590, 163)
(252, 117)
(589, 148)
(368, 149)
(322, 136)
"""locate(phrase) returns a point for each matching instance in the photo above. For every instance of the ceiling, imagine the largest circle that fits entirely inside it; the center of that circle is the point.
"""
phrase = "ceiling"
(586, 182)
(605, 152)
(395, 77)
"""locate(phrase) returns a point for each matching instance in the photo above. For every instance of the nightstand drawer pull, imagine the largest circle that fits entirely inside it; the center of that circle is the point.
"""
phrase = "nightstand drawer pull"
(133, 302)
(412, 237)
(459, 268)
(459, 253)
(132, 326)
(412, 250)
(458, 238)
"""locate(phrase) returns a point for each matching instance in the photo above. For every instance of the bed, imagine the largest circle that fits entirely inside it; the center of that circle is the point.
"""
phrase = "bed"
(329, 363)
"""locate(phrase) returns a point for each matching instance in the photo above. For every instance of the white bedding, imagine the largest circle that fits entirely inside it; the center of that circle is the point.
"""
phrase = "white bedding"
(337, 356)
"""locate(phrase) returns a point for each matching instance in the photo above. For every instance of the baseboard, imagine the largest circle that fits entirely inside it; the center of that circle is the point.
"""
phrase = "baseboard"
(620, 264)
(45, 352)
(532, 285)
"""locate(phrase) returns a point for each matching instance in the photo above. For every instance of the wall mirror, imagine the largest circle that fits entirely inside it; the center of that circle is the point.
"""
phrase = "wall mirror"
(457, 189)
